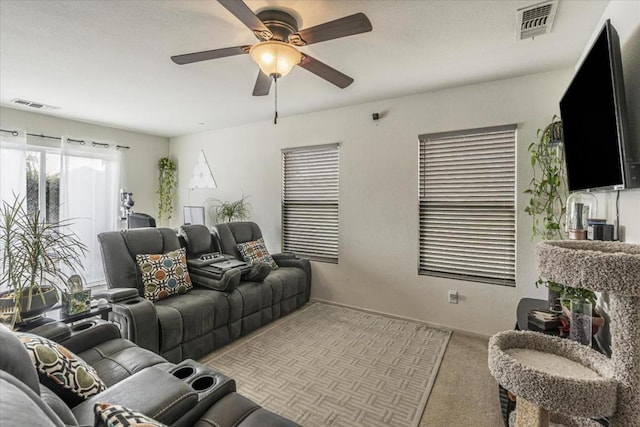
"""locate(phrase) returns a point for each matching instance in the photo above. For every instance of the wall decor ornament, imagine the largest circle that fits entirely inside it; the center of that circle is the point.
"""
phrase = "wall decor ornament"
(202, 177)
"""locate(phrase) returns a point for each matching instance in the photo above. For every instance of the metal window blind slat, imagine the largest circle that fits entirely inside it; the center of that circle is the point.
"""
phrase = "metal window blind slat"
(310, 193)
(467, 205)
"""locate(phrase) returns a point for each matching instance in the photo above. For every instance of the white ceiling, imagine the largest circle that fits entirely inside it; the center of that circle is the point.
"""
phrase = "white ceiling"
(107, 62)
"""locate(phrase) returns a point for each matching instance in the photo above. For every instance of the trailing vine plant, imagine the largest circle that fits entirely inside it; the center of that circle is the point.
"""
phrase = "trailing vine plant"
(167, 187)
(548, 187)
(547, 202)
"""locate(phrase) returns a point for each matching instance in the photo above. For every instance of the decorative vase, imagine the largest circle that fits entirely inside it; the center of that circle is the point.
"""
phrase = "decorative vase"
(580, 208)
(76, 302)
(580, 322)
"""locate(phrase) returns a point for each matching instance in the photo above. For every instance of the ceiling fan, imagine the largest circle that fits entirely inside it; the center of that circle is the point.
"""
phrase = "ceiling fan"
(276, 52)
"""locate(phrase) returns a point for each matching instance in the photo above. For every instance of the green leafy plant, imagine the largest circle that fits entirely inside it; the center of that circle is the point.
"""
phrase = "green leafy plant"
(548, 187)
(568, 293)
(237, 210)
(547, 202)
(35, 254)
(167, 187)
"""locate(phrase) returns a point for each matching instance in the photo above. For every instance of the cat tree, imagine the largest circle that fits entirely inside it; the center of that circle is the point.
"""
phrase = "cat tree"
(558, 377)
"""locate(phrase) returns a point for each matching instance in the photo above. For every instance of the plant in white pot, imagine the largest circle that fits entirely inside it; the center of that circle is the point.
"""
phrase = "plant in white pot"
(236, 210)
(36, 257)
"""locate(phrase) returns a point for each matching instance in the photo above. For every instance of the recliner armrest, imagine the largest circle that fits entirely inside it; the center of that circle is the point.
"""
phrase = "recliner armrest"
(302, 263)
(152, 391)
(138, 322)
(117, 294)
(290, 259)
(89, 334)
(284, 256)
(55, 331)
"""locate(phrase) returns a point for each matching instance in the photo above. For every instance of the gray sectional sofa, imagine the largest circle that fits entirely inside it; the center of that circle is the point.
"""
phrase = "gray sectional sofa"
(217, 310)
(186, 394)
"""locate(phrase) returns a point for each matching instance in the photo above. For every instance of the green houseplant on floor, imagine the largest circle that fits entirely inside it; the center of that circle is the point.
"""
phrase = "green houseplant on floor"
(36, 257)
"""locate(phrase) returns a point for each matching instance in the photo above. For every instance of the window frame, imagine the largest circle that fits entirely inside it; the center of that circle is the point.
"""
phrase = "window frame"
(333, 257)
(421, 247)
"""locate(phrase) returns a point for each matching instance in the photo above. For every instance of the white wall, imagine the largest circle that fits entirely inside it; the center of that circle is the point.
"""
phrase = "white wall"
(139, 172)
(378, 192)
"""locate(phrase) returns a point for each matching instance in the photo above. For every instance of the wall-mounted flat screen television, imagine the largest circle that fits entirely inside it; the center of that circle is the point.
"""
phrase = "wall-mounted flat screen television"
(598, 152)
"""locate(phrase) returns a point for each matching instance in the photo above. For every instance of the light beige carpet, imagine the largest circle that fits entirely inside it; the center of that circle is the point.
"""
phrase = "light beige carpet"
(465, 394)
(333, 366)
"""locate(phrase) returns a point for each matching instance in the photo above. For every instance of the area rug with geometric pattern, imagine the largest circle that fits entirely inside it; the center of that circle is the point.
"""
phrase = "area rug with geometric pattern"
(326, 365)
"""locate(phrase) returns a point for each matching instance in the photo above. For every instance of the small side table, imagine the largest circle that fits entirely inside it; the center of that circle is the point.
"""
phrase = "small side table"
(103, 312)
(56, 314)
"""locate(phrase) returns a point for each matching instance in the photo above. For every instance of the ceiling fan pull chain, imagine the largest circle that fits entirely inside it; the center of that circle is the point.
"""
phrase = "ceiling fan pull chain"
(275, 117)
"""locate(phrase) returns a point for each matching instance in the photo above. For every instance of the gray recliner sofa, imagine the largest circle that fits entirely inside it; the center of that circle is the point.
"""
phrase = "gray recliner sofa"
(186, 394)
(214, 312)
(291, 269)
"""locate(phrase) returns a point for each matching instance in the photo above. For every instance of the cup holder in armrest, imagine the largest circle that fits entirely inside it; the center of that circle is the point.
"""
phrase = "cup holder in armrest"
(203, 383)
(184, 372)
(132, 301)
(82, 326)
(209, 384)
(202, 379)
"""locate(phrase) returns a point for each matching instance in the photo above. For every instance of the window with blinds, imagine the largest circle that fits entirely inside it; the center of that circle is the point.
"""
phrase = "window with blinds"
(467, 205)
(310, 202)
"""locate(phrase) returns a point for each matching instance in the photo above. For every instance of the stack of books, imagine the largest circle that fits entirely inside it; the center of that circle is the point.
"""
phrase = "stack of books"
(544, 319)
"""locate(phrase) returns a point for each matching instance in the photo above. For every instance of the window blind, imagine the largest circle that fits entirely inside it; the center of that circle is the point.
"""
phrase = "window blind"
(310, 202)
(467, 205)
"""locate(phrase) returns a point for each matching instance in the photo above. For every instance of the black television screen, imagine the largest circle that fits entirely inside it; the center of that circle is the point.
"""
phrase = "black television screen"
(593, 115)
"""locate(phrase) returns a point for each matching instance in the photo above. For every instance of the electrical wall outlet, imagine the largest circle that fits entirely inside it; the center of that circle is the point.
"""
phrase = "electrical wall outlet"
(453, 296)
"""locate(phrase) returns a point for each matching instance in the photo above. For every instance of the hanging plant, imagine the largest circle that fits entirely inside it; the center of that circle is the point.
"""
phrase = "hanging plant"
(547, 191)
(167, 187)
(548, 187)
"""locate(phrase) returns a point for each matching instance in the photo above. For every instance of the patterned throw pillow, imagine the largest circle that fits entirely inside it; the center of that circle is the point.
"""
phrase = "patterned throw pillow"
(64, 373)
(164, 275)
(108, 415)
(256, 251)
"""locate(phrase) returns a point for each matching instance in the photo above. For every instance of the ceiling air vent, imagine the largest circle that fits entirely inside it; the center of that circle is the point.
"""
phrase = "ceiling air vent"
(535, 20)
(32, 104)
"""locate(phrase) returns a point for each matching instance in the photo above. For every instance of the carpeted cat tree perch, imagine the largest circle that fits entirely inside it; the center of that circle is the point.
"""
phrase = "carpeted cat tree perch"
(562, 380)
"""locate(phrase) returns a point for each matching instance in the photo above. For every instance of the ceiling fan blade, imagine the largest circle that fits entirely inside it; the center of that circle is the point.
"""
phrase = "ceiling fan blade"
(205, 55)
(347, 26)
(241, 11)
(263, 84)
(321, 69)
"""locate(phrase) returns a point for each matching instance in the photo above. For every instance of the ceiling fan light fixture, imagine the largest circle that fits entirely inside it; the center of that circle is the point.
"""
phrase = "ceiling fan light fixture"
(275, 58)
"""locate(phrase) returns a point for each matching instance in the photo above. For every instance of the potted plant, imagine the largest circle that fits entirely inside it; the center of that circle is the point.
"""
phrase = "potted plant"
(35, 258)
(166, 187)
(237, 210)
(547, 202)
